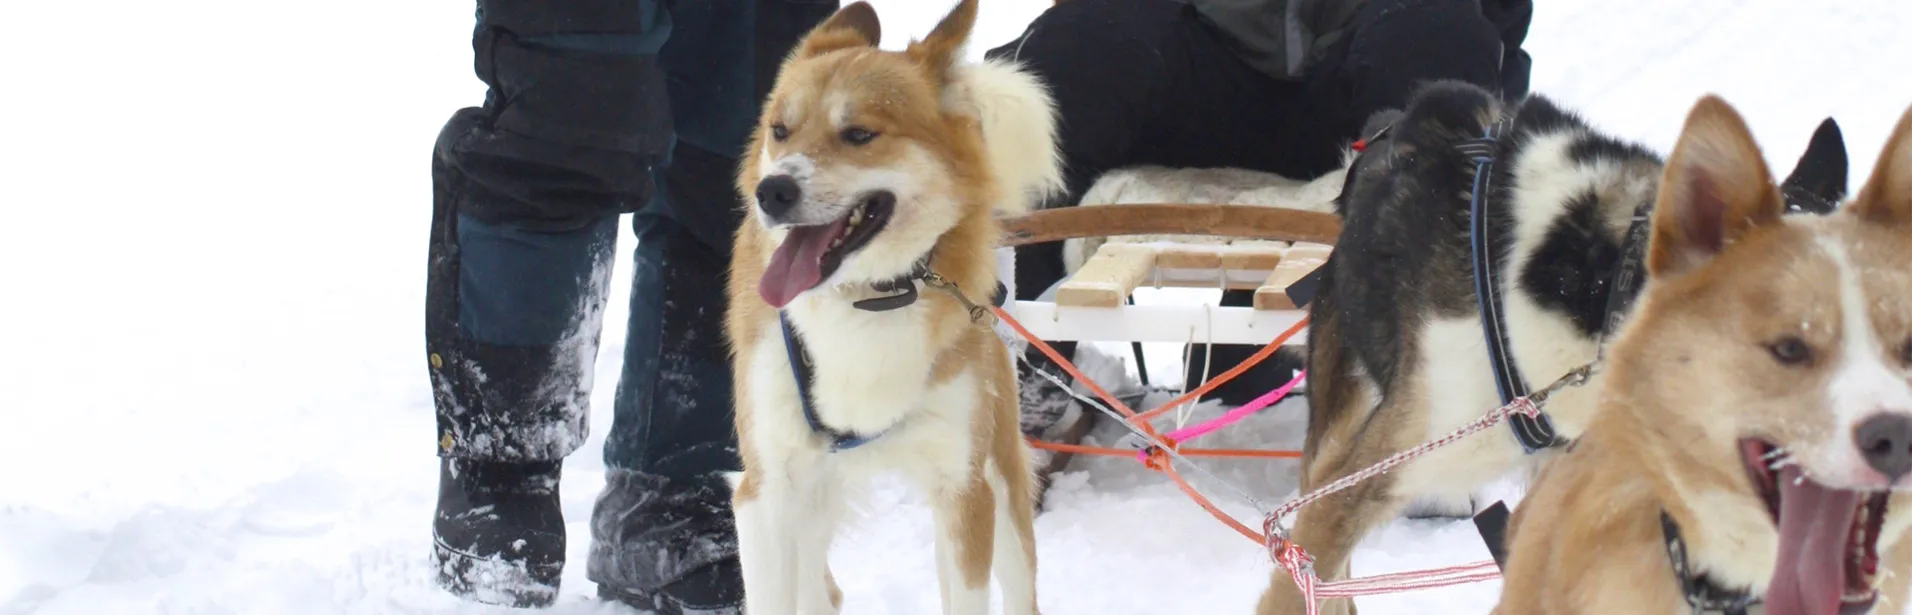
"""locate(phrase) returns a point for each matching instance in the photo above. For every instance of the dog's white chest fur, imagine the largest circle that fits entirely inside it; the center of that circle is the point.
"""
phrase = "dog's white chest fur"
(869, 369)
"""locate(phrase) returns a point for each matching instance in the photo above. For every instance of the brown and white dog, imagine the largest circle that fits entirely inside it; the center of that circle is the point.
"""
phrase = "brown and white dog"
(876, 174)
(1758, 397)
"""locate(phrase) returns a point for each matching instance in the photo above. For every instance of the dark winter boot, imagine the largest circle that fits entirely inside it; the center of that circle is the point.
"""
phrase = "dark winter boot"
(1051, 414)
(498, 537)
(666, 547)
(716, 589)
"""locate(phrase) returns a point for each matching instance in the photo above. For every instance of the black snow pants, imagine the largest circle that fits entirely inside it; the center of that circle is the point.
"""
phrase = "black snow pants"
(598, 108)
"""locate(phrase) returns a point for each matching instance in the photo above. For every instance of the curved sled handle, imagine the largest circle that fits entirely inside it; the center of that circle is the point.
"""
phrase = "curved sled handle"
(1243, 221)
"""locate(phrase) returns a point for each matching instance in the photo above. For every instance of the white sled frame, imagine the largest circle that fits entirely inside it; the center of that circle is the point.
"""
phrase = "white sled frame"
(1091, 304)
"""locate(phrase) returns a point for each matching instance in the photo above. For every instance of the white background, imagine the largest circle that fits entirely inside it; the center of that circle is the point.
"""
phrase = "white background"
(213, 218)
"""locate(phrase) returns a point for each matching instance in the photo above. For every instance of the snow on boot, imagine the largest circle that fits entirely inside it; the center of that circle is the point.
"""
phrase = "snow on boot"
(712, 590)
(663, 545)
(1051, 413)
(498, 536)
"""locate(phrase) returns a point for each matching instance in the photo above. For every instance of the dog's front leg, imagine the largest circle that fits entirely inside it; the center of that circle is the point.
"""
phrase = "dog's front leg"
(965, 540)
(1015, 542)
(815, 523)
(766, 506)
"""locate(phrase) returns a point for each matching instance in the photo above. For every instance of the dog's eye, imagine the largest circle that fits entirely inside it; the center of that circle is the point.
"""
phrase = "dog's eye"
(779, 132)
(1790, 350)
(1905, 352)
(858, 136)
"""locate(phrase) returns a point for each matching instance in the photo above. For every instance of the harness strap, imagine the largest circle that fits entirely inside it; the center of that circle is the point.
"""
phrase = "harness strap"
(1535, 433)
(1701, 593)
(800, 368)
(1627, 279)
(803, 372)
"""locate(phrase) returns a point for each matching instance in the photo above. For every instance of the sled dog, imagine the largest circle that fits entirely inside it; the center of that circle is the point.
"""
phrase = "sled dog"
(875, 179)
(1754, 436)
(1399, 352)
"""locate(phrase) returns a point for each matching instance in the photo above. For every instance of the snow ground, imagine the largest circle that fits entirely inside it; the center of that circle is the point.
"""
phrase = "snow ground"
(213, 387)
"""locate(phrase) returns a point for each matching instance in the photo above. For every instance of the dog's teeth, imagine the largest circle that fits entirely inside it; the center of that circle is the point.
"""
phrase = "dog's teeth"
(1776, 453)
(836, 243)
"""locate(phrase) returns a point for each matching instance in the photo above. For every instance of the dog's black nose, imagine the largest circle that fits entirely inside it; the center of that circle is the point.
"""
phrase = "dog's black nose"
(1886, 442)
(777, 194)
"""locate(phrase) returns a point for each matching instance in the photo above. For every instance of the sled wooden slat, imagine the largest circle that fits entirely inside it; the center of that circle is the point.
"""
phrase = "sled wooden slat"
(1108, 278)
(1257, 256)
(1247, 222)
(1300, 260)
(1157, 323)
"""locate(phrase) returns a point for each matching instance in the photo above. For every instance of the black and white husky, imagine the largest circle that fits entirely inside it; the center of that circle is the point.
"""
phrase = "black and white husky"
(1399, 351)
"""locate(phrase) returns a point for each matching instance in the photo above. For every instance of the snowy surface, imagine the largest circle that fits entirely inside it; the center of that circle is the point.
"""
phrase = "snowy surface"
(212, 389)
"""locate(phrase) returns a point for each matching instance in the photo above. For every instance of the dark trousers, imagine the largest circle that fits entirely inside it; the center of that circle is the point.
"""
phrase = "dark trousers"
(598, 108)
(1150, 82)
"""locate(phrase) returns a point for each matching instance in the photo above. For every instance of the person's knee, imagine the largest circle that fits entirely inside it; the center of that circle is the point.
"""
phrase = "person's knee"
(1398, 45)
(506, 178)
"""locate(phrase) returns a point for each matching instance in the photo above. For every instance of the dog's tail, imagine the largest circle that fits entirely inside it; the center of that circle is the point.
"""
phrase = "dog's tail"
(1018, 120)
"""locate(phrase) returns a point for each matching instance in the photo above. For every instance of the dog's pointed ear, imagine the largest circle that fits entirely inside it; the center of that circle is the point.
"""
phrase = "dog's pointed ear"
(1818, 181)
(1715, 189)
(944, 45)
(1887, 195)
(854, 25)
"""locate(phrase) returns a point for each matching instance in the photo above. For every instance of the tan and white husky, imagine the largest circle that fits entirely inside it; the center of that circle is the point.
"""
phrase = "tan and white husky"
(876, 178)
(1755, 430)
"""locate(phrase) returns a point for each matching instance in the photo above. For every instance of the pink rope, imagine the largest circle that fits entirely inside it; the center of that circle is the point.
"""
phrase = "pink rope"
(1235, 416)
(1231, 417)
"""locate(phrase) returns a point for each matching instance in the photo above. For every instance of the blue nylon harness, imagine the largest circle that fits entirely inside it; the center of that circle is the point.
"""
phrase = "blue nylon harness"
(1534, 433)
(803, 371)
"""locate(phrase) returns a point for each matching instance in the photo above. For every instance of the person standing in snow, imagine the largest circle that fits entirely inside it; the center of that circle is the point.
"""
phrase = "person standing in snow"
(594, 108)
(598, 108)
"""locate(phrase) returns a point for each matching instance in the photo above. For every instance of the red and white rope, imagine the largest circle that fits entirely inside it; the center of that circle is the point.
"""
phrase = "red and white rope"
(1313, 589)
(1290, 556)
(1522, 405)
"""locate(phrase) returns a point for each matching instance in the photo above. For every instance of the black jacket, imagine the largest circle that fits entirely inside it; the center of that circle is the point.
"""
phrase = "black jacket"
(1286, 38)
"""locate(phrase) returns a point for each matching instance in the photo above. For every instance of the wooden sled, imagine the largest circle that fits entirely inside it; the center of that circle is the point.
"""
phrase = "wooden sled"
(1092, 304)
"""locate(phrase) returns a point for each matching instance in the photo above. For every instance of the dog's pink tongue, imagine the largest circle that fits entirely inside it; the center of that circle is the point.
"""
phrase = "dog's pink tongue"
(1814, 526)
(797, 265)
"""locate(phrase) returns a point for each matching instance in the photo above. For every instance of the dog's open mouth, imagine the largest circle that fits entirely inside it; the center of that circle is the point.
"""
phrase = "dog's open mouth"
(810, 254)
(1828, 538)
